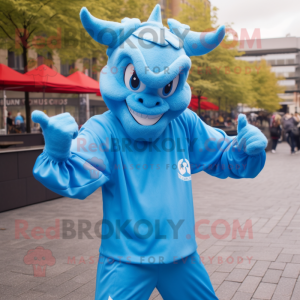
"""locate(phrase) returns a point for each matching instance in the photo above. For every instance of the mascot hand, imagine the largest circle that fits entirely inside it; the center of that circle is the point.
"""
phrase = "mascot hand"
(58, 133)
(249, 137)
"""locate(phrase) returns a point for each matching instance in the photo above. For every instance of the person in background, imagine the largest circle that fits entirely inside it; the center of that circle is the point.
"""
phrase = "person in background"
(228, 122)
(275, 131)
(290, 127)
(260, 118)
(207, 118)
(215, 120)
(202, 116)
(20, 122)
(253, 118)
(221, 119)
(297, 117)
(19, 119)
(9, 122)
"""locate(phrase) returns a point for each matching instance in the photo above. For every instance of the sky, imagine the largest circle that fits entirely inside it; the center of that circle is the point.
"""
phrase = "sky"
(274, 18)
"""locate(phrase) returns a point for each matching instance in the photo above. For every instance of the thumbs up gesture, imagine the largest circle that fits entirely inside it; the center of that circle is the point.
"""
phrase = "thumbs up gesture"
(58, 133)
(249, 137)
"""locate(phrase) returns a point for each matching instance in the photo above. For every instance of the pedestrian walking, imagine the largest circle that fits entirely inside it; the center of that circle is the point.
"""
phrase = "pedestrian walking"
(290, 123)
(298, 137)
(9, 122)
(252, 118)
(275, 131)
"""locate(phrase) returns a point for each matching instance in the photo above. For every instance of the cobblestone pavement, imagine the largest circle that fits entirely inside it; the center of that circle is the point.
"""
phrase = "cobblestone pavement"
(265, 266)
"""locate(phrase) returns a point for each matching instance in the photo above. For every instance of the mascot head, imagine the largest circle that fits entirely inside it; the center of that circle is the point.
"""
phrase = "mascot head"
(144, 81)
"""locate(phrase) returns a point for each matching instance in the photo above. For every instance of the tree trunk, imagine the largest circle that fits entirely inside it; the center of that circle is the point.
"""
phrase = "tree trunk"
(27, 106)
(219, 103)
(199, 101)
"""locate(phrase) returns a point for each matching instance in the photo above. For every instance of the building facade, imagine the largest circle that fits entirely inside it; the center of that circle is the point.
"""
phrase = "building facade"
(283, 55)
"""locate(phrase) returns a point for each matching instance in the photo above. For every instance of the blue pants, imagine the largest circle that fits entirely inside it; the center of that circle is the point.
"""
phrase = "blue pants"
(182, 279)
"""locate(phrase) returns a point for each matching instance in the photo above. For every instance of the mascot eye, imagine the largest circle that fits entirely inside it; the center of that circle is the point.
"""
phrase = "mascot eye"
(132, 81)
(169, 89)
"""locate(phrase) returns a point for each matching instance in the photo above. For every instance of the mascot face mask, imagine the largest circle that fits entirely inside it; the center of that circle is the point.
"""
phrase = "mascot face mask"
(144, 82)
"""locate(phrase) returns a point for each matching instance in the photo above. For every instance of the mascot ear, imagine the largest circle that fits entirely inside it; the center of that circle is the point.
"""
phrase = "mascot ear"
(196, 43)
(111, 34)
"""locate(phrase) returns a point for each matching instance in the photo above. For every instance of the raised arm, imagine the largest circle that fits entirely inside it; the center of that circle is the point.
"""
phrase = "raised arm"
(69, 165)
(222, 156)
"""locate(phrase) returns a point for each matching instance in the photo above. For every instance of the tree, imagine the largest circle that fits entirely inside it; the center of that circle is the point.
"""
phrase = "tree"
(265, 87)
(51, 26)
(219, 75)
(211, 75)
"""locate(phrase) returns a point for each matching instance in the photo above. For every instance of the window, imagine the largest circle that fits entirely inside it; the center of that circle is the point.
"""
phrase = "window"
(94, 68)
(90, 65)
(289, 85)
(87, 66)
(291, 61)
(287, 82)
(271, 62)
(15, 62)
(285, 71)
(67, 68)
(45, 59)
(282, 58)
(249, 58)
(97, 110)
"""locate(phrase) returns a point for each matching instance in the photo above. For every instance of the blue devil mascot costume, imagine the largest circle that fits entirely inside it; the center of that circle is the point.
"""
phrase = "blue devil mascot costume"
(142, 153)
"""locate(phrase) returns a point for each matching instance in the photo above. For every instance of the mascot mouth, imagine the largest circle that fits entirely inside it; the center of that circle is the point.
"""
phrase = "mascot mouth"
(145, 120)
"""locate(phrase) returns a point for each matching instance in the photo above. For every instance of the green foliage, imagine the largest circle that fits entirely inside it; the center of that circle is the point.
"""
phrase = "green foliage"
(265, 87)
(54, 25)
(219, 75)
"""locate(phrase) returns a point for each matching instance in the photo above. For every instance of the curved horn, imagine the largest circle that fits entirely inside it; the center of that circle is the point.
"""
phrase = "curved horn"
(197, 43)
(111, 34)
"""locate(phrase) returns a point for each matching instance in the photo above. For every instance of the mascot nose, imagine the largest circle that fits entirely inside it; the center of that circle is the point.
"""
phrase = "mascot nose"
(149, 100)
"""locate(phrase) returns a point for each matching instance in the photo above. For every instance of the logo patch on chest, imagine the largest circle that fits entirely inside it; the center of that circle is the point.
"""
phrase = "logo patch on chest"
(184, 170)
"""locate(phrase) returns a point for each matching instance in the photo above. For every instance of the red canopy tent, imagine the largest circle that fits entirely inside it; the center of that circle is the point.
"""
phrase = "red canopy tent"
(10, 78)
(208, 106)
(85, 82)
(204, 105)
(87, 85)
(47, 80)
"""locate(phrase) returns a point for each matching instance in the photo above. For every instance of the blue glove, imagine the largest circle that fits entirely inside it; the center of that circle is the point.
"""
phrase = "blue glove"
(250, 138)
(58, 133)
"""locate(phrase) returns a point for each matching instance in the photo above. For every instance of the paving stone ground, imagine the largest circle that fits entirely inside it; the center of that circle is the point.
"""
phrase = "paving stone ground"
(263, 266)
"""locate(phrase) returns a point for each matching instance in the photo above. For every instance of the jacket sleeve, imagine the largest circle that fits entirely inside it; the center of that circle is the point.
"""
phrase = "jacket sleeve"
(219, 155)
(87, 168)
